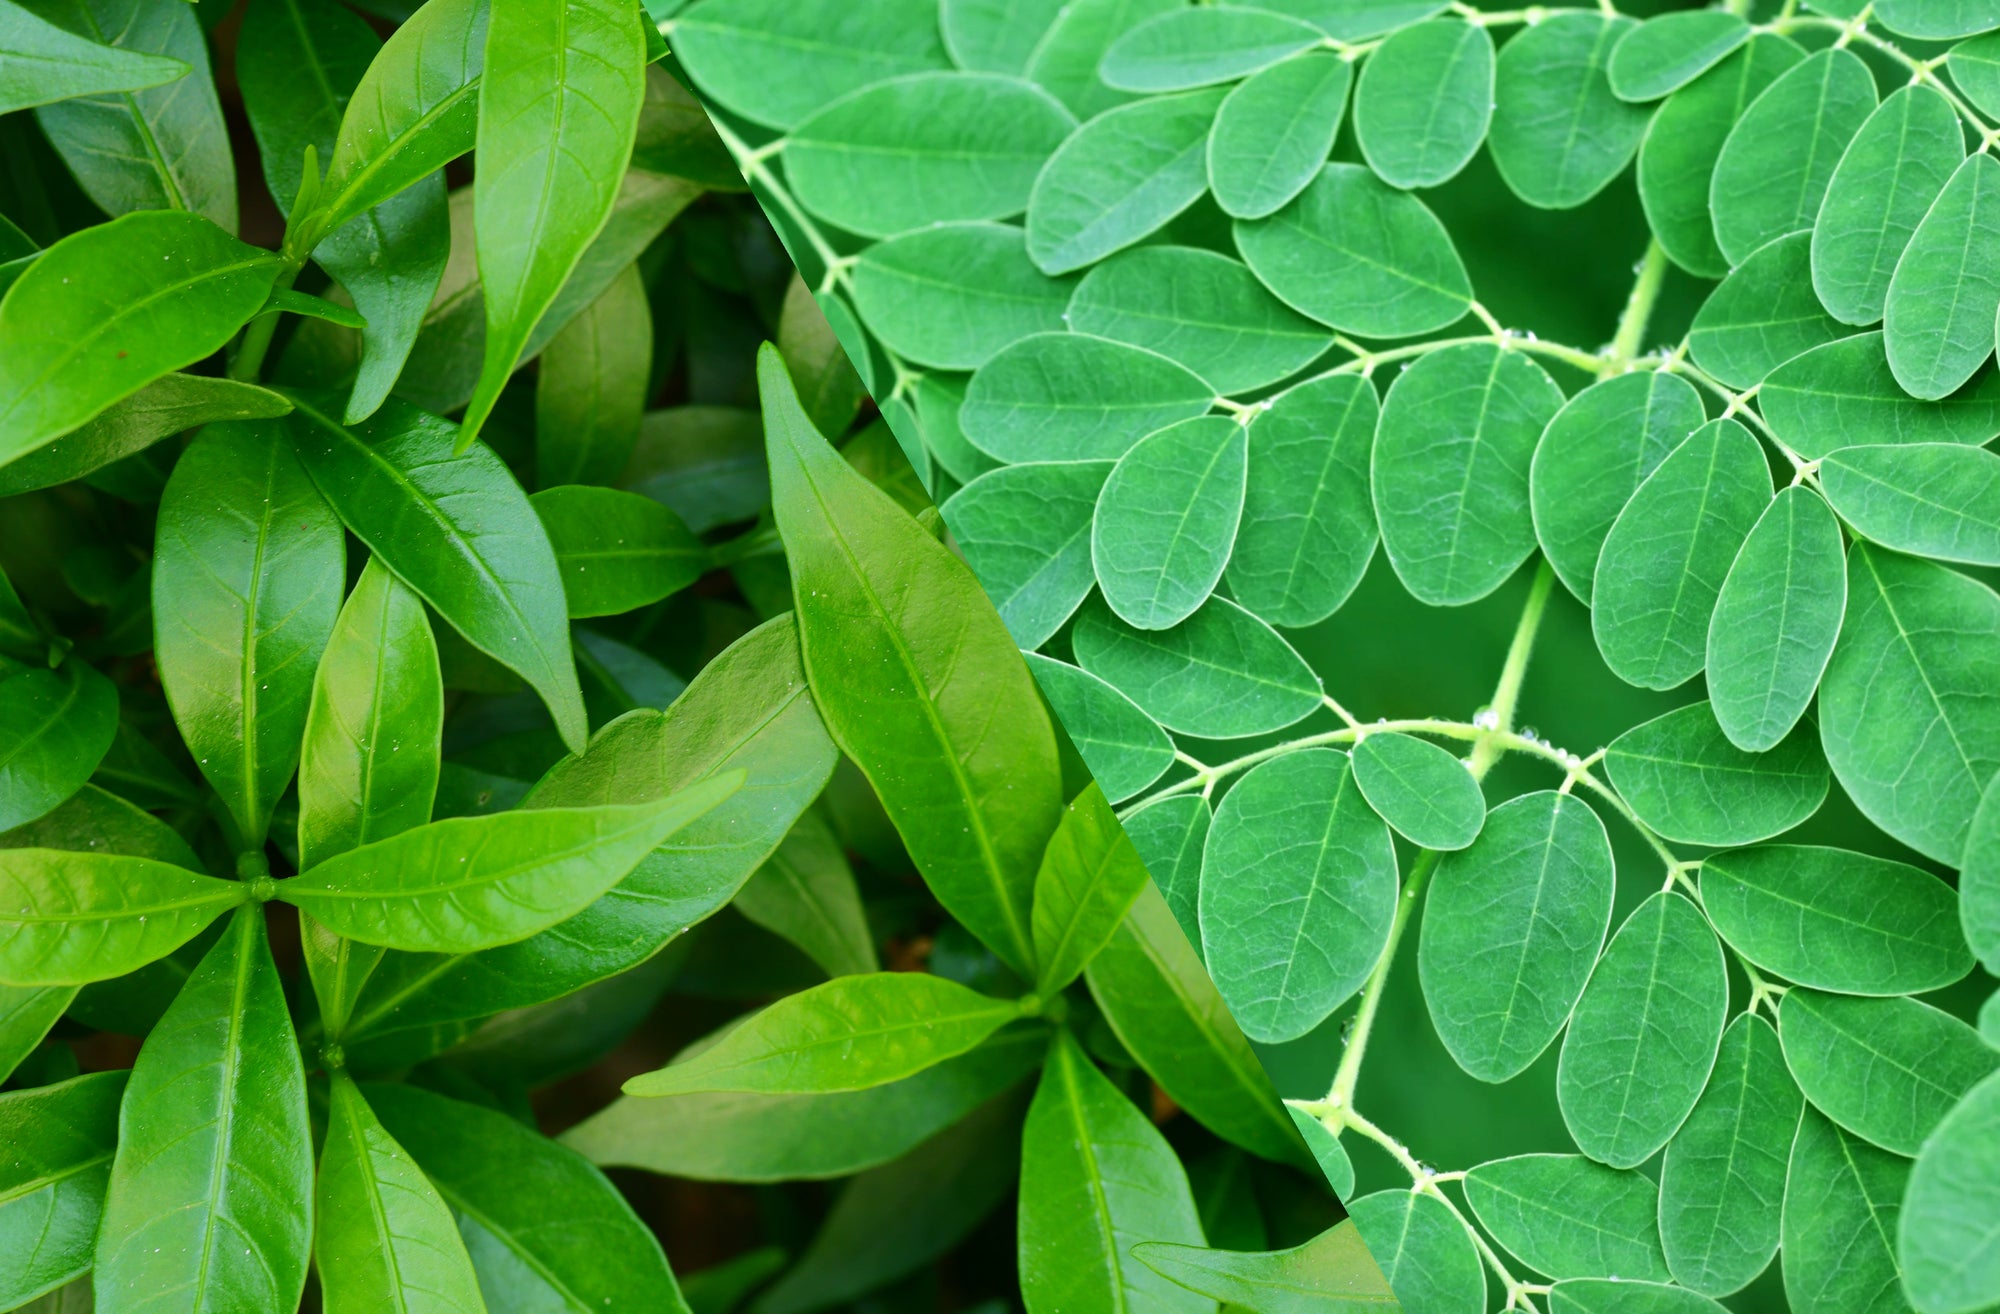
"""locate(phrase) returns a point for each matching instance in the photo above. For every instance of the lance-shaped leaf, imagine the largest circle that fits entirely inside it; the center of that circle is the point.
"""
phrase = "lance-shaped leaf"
(1423, 1250)
(849, 1034)
(1844, 392)
(1559, 134)
(617, 551)
(1166, 518)
(1835, 920)
(1952, 1210)
(559, 109)
(1569, 1217)
(1888, 1070)
(1089, 876)
(1184, 49)
(776, 63)
(59, 1140)
(1664, 54)
(1423, 103)
(471, 883)
(1298, 888)
(1512, 926)
(1764, 314)
(1780, 156)
(1938, 320)
(45, 63)
(171, 404)
(591, 388)
(807, 894)
(1274, 131)
(1689, 783)
(1025, 529)
(246, 591)
(1125, 749)
(55, 727)
(458, 531)
(1221, 673)
(27, 1015)
(1420, 789)
(164, 289)
(1842, 1197)
(1170, 835)
(954, 295)
(71, 918)
(211, 1191)
(916, 679)
(1895, 167)
(1937, 500)
(1073, 397)
(1097, 1178)
(1334, 1270)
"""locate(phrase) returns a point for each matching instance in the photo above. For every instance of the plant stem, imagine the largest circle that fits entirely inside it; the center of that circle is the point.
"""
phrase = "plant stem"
(248, 362)
(1638, 313)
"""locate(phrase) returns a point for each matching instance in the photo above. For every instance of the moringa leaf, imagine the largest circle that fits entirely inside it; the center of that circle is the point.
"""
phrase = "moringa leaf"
(777, 63)
(1420, 789)
(1844, 392)
(1125, 749)
(1430, 1262)
(1937, 500)
(1938, 321)
(1570, 1217)
(1842, 1197)
(1664, 54)
(1166, 518)
(1775, 167)
(1952, 1207)
(1170, 834)
(1188, 48)
(1220, 674)
(1687, 781)
(1559, 135)
(1025, 530)
(1274, 131)
(1764, 314)
(995, 36)
(1073, 397)
(1069, 53)
(1424, 101)
(1979, 882)
(1887, 1070)
(952, 296)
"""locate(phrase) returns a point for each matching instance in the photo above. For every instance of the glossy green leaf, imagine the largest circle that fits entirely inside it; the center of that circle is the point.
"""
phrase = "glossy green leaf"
(1219, 321)
(776, 63)
(1170, 835)
(458, 531)
(45, 63)
(1120, 178)
(591, 388)
(1644, 1036)
(1842, 1197)
(1166, 518)
(1844, 392)
(954, 295)
(211, 1191)
(1423, 1250)
(1764, 314)
(1949, 1216)
(1835, 920)
(1124, 748)
(1073, 397)
(995, 36)
(1424, 101)
(924, 149)
(806, 893)
(617, 551)
(171, 404)
(1722, 1184)
(1305, 541)
(178, 288)
(55, 727)
(1352, 252)
(1068, 55)
(1026, 531)
(1688, 782)
(1938, 320)
(1274, 131)
(1459, 429)
(1188, 48)
(559, 108)
(1420, 789)
(1512, 928)
(1298, 889)
(1569, 1217)
(1908, 710)
(916, 680)
(1774, 169)
(59, 1141)
(1332, 1272)
(73, 917)
(1937, 500)
(1594, 454)
(1089, 876)
(830, 388)
(377, 694)
(1334, 1165)
(1664, 54)
(1220, 674)
(1887, 1070)
(1559, 135)
(1096, 1179)
(27, 1014)
(93, 820)
(1667, 555)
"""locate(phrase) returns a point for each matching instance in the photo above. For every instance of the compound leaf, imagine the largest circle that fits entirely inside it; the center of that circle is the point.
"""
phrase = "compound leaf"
(953, 296)
(1170, 834)
(778, 64)
(1945, 1230)
(1430, 1262)
(1842, 1196)
(1688, 782)
(1844, 392)
(1125, 749)
(1074, 397)
(1664, 54)
(1026, 531)
(1188, 48)
(1762, 315)
(1938, 321)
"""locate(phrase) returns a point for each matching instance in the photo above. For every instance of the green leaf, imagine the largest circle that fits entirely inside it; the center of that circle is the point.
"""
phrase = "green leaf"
(1352, 252)
(1187, 48)
(1909, 714)
(386, 1239)
(1664, 54)
(1775, 621)
(1895, 167)
(1979, 882)
(916, 679)
(458, 531)
(1089, 876)
(1331, 1273)
(55, 727)
(1459, 429)
(165, 289)
(1119, 178)
(95, 821)
(923, 149)
(1619, 1296)
(806, 893)
(1025, 529)
(471, 883)
(163, 148)
(995, 36)
(1594, 455)
(1166, 518)
(558, 111)
(1424, 101)
(1689, 783)
(1764, 314)
(71, 918)
(211, 1191)
(1939, 20)
(1352, 20)
(1835, 920)
(59, 1140)
(1334, 1165)
(1937, 500)
(1723, 1180)
(1220, 321)
(1668, 553)
(1774, 169)
(1298, 889)
(1424, 1251)
(1274, 131)
(1420, 789)
(1644, 1036)
(1068, 55)
(534, 1214)
(1073, 397)
(1096, 1178)
(829, 386)
(47, 64)
(954, 295)
(777, 63)
(1569, 1217)
(1220, 674)
(1844, 392)
(27, 1014)
(1975, 70)
(1170, 835)
(1125, 749)
(849, 1034)
(1938, 322)
(617, 551)
(1677, 159)
(1842, 1196)
(1945, 1231)
(1512, 927)
(1887, 1070)
(591, 388)
(1559, 135)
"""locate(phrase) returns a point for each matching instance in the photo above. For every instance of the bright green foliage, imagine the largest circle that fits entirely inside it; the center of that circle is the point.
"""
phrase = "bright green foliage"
(1887, 1070)
(1898, 163)
(1689, 783)
(1165, 519)
(1775, 167)
(1951, 1207)
(1333, 1271)
(1421, 790)
(1274, 131)
(1936, 500)
(60, 1142)
(45, 63)
(1424, 102)
(1564, 1214)
(1429, 1260)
